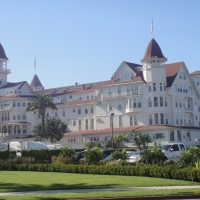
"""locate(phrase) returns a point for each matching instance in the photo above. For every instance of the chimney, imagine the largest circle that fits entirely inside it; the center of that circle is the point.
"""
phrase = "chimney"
(76, 83)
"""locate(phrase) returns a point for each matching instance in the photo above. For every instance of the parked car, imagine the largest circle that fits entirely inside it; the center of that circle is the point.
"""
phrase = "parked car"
(172, 150)
(133, 156)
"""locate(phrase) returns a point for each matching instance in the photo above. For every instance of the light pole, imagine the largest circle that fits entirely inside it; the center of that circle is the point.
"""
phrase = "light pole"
(112, 114)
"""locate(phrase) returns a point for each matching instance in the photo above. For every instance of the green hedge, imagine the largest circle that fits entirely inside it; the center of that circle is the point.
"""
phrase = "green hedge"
(168, 171)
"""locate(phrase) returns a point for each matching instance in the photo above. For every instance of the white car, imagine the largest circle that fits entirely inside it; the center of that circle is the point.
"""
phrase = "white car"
(133, 156)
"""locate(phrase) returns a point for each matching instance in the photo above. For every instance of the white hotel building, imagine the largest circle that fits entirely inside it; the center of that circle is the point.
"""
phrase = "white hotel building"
(153, 97)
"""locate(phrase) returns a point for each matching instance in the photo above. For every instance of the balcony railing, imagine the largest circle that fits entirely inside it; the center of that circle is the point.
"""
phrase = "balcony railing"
(5, 108)
(5, 70)
(189, 123)
(188, 108)
(120, 94)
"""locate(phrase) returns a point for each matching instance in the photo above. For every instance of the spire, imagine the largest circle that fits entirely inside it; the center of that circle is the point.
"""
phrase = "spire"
(2, 53)
(153, 51)
(36, 84)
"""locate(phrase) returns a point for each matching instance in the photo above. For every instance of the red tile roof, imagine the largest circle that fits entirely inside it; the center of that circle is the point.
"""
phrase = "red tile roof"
(75, 102)
(196, 73)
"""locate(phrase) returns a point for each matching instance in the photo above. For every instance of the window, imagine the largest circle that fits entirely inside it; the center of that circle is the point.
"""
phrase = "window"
(179, 135)
(119, 89)
(24, 116)
(14, 117)
(79, 110)
(158, 136)
(92, 124)
(150, 119)
(110, 107)
(134, 103)
(86, 124)
(150, 101)
(131, 120)
(18, 117)
(176, 103)
(70, 97)
(156, 118)
(176, 119)
(2, 117)
(63, 113)
(135, 120)
(154, 87)
(8, 116)
(188, 136)
(24, 129)
(172, 136)
(180, 103)
(166, 119)
(80, 97)
(91, 109)
(175, 88)
(120, 121)
(23, 104)
(150, 85)
(165, 101)
(119, 105)
(18, 104)
(155, 101)
(86, 111)
(161, 102)
(74, 122)
(139, 103)
(79, 124)
(13, 103)
(161, 88)
(175, 147)
(162, 120)
(73, 110)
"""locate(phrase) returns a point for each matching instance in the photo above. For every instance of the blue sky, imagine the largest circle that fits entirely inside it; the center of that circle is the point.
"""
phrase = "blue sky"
(86, 40)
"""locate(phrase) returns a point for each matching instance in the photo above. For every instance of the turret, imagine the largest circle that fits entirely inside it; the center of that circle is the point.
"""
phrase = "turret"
(35, 84)
(3, 67)
(154, 63)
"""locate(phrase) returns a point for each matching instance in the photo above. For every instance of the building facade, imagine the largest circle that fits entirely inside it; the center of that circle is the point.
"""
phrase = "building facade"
(152, 97)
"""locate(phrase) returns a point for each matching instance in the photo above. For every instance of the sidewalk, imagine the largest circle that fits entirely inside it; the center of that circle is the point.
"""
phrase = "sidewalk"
(100, 190)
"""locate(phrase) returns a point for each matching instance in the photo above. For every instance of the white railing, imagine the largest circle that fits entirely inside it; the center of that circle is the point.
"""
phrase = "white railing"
(120, 94)
(189, 124)
(5, 70)
(188, 109)
(5, 107)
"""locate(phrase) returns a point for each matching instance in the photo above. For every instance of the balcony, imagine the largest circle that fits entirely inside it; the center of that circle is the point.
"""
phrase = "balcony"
(189, 123)
(121, 94)
(188, 109)
(2, 108)
(5, 70)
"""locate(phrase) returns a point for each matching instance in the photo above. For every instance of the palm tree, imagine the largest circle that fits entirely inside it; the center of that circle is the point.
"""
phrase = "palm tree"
(118, 138)
(41, 102)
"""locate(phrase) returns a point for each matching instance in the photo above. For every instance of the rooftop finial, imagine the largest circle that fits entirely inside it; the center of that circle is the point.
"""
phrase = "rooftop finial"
(152, 27)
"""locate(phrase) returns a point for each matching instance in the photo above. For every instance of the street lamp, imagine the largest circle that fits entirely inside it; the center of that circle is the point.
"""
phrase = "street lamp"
(112, 114)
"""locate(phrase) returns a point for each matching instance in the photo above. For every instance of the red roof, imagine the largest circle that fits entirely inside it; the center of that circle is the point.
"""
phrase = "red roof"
(196, 73)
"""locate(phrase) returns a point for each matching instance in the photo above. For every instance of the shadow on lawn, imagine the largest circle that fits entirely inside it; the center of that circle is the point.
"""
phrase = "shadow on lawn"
(10, 187)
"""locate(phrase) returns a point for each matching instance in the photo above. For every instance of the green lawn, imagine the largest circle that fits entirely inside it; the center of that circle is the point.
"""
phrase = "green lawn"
(66, 196)
(11, 181)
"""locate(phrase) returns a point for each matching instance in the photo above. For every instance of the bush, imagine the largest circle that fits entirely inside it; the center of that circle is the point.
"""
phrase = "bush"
(119, 155)
(189, 158)
(93, 156)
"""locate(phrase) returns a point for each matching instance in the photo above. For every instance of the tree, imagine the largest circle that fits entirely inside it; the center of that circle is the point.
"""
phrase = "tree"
(41, 102)
(90, 145)
(54, 130)
(122, 155)
(119, 138)
(141, 140)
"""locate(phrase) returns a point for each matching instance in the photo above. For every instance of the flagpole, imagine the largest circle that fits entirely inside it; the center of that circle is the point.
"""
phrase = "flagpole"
(35, 64)
(152, 27)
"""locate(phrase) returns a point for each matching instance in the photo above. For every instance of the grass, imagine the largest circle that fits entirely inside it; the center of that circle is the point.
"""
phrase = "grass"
(13, 181)
(65, 196)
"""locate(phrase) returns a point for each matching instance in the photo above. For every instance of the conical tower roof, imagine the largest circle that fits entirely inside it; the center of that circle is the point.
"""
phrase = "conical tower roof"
(153, 50)
(2, 53)
(36, 82)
